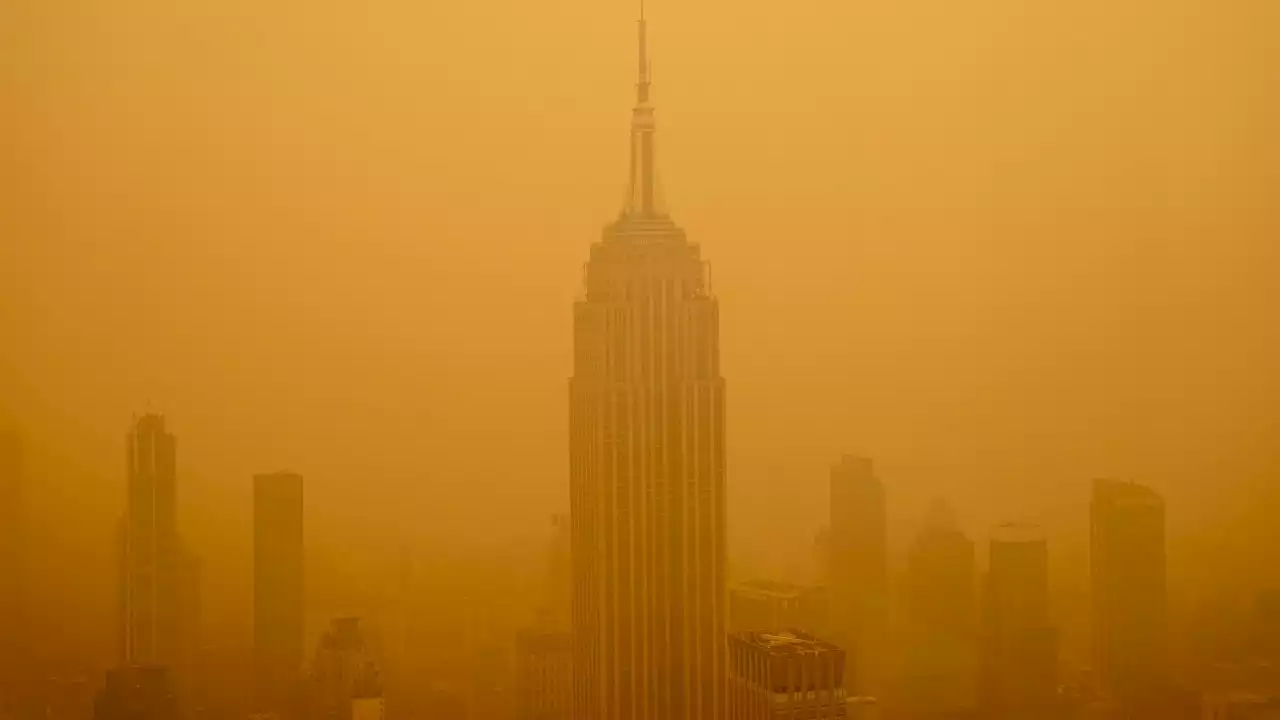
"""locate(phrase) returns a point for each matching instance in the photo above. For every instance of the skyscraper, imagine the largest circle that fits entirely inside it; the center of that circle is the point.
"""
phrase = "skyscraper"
(647, 464)
(859, 570)
(1127, 559)
(1019, 644)
(941, 642)
(152, 557)
(277, 589)
(159, 587)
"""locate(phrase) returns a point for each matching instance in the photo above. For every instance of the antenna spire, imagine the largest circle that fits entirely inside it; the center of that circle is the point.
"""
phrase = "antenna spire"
(643, 198)
(642, 87)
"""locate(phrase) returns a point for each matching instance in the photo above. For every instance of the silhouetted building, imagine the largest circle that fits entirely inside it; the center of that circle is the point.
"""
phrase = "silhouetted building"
(159, 588)
(859, 571)
(770, 606)
(344, 670)
(1019, 643)
(223, 684)
(544, 675)
(1240, 706)
(784, 675)
(137, 692)
(277, 589)
(1127, 559)
(14, 648)
(559, 573)
(66, 697)
(941, 668)
(647, 465)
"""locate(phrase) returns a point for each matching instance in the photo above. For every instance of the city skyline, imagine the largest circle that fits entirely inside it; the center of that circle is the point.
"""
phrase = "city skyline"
(953, 286)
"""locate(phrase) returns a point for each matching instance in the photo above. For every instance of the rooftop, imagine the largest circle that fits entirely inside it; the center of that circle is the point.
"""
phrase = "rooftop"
(786, 642)
(1017, 533)
(772, 588)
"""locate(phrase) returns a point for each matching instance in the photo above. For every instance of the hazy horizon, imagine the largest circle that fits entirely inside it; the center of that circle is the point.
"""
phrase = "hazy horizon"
(1000, 249)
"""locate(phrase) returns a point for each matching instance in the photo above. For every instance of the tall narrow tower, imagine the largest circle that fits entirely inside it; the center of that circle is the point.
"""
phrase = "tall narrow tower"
(277, 589)
(151, 623)
(859, 571)
(159, 584)
(647, 464)
(1127, 561)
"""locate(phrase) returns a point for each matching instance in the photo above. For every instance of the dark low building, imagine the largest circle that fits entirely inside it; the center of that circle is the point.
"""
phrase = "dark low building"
(137, 692)
(788, 674)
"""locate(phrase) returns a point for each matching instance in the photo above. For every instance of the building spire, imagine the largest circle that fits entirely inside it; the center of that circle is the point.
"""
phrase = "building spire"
(642, 87)
(642, 196)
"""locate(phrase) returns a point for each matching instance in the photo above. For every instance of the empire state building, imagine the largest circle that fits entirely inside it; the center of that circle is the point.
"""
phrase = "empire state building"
(647, 464)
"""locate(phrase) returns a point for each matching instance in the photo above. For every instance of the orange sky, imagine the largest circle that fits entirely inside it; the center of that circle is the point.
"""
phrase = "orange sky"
(1000, 246)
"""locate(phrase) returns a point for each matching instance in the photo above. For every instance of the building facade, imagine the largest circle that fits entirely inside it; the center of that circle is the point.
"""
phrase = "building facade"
(137, 692)
(647, 464)
(1019, 642)
(343, 671)
(940, 640)
(1127, 569)
(160, 577)
(785, 675)
(277, 589)
(544, 675)
(771, 606)
(859, 571)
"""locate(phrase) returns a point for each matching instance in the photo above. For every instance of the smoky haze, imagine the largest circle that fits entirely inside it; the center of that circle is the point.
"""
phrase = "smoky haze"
(1001, 247)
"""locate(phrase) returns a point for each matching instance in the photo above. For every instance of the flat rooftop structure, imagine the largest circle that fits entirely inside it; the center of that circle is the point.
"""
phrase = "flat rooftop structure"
(1014, 533)
(773, 589)
(786, 674)
(786, 642)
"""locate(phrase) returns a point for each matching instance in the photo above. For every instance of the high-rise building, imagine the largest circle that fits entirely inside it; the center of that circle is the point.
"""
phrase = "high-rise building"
(940, 642)
(1127, 559)
(137, 692)
(771, 606)
(160, 577)
(277, 589)
(647, 464)
(344, 671)
(1019, 643)
(13, 649)
(859, 571)
(152, 555)
(544, 675)
(787, 674)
